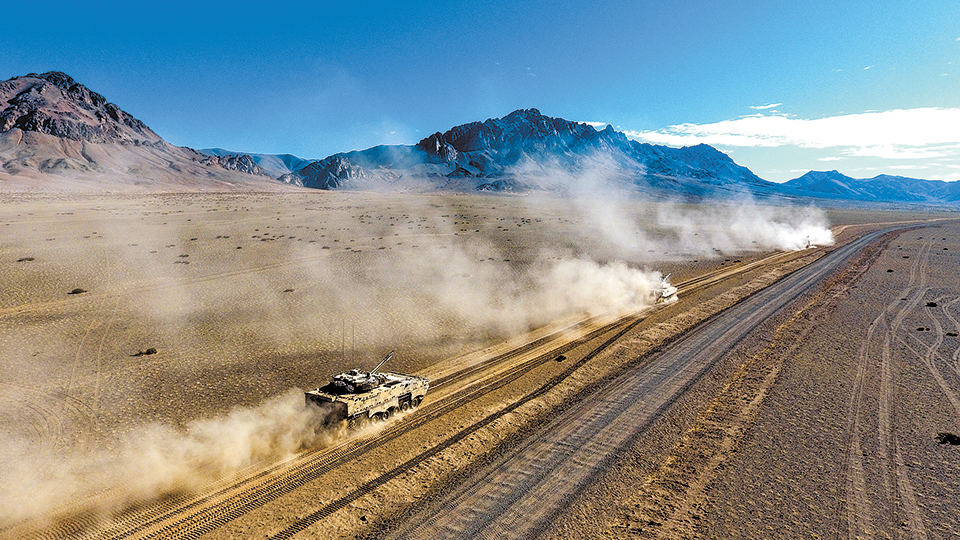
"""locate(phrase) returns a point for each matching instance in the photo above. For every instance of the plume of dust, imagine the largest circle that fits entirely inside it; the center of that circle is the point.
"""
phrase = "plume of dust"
(157, 460)
(746, 227)
(471, 286)
(605, 197)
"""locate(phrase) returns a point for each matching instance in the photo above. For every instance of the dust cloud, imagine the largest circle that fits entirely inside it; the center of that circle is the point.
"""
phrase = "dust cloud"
(155, 461)
(475, 286)
(605, 199)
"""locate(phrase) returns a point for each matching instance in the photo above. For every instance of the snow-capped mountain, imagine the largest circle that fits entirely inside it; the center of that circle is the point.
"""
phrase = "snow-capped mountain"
(526, 150)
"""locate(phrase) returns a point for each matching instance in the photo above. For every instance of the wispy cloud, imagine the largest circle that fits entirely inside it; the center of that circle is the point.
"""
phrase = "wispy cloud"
(765, 107)
(909, 167)
(597, 125)
(895, 134)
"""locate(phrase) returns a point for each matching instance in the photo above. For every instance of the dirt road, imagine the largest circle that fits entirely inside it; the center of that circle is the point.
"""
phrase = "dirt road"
(516, 496)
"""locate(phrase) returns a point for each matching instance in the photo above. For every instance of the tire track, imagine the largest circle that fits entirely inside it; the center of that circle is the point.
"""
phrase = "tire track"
(859, 512)
(897, 492)
(931, 354)
(95, 400)
(886, 426)
(955, 357)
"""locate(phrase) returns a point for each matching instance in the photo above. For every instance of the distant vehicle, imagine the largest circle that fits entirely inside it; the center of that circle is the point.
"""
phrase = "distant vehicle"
(361, 397)
(667, 292)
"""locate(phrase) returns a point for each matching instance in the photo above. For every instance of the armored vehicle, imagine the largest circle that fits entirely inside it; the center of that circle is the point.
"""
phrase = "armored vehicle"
(667, 292)
(359, 397)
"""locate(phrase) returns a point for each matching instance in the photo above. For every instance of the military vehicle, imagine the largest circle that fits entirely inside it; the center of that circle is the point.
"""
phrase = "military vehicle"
(360, 397)
(667, 292)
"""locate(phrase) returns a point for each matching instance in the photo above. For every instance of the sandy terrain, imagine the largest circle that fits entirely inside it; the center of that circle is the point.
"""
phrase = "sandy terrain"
(248, 297)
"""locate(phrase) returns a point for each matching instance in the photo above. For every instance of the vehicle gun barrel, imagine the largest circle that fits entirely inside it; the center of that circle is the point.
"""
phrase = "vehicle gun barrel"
(382, 362)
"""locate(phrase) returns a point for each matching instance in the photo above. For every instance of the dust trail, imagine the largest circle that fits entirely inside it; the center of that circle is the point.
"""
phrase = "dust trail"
(157, 460)
(606, 199)
(746, 226)
(465, 287)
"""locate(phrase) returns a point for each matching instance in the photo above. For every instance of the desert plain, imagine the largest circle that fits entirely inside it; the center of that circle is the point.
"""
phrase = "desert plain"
(155, 343)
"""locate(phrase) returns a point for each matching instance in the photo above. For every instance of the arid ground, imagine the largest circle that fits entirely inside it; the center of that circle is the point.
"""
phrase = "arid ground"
(145, 332)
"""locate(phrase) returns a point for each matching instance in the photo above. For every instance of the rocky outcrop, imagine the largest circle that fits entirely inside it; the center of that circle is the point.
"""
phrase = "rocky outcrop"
(54, 104)
(236, 162)
(291, 179)
(330, 173)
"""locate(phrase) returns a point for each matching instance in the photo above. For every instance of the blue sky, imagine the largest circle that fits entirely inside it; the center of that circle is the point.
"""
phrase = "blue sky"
(865, 87)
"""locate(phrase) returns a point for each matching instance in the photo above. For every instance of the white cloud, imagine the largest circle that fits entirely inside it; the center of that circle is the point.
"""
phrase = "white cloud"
(899, 152)
(898, 134)
(908, 167)
(773, 143)
(764, 107)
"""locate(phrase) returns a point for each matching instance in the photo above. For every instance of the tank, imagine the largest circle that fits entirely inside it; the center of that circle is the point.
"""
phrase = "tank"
(667, 292)
(361, 397)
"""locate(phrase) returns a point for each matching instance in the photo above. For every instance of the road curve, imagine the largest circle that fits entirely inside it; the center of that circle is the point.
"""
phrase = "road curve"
(518, 495)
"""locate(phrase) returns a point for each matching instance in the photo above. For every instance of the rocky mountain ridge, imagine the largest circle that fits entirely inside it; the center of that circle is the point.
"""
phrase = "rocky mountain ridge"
(526, 150)
(274, 165)
(54, 104)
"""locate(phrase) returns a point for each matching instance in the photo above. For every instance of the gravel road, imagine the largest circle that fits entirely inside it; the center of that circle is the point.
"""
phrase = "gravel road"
(516, 496)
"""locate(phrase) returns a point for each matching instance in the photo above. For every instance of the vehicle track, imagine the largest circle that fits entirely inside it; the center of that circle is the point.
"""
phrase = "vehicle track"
(887, 433)
(955, 357)
(863, 512)
(932, 354)
(275, 485)
(859, 514)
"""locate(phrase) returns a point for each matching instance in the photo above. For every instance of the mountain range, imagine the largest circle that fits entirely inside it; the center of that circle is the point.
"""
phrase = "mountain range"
(56, 134)
(525, 151)
(880, 188)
